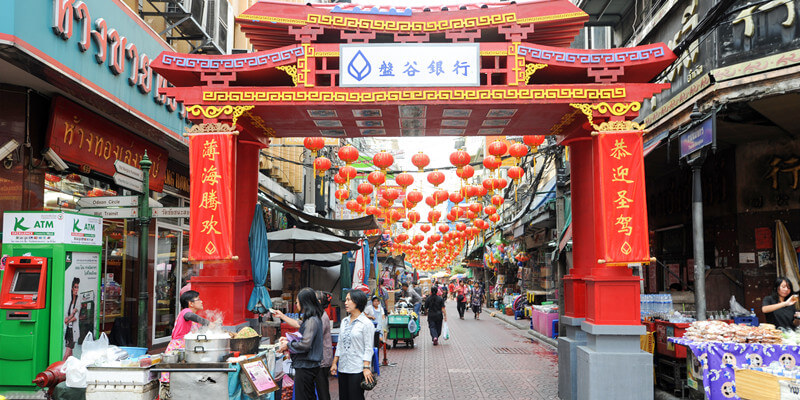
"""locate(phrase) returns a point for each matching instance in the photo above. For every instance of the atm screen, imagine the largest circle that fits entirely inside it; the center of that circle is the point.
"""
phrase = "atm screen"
(26, 282)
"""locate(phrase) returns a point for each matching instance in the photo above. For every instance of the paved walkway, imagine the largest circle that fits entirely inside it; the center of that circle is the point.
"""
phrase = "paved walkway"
(485, 359)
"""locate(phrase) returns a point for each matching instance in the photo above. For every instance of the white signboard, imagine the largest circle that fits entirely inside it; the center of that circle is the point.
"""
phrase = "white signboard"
(170, 212)
(114, 201)
(128, 170)
(409, 64)
(128, 182)
(51, 228)
(789, 390)
(128, 212)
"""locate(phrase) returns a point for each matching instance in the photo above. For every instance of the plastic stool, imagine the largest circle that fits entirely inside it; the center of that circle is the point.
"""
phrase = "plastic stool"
(555, 329)
(376, 363)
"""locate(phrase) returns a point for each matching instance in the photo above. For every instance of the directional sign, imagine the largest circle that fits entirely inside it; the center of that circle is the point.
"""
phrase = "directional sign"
(171, 212)
(114, 201)
(112, 212)
(128, 170)
(128, 182)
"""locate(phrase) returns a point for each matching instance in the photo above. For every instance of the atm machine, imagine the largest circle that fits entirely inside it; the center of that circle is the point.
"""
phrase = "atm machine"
(49, 285)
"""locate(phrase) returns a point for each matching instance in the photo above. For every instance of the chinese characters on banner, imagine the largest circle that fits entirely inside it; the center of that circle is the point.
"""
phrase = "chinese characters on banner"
(622, 225)
(212, 177)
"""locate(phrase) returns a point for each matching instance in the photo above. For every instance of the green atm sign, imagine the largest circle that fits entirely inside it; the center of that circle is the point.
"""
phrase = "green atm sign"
(52, 227)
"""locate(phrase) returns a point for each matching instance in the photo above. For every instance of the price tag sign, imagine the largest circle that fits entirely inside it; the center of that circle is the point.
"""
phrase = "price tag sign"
(790, 390)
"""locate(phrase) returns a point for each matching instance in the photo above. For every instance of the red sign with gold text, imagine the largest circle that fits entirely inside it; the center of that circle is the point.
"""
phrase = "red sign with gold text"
(622, 225)
(211, 211)
(85, 138)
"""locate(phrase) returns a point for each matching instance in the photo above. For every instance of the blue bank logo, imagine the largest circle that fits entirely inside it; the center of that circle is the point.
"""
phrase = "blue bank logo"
(359, 67)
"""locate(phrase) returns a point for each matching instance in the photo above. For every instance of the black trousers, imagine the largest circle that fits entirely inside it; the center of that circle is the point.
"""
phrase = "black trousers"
(435, 325)
(462, 307)
(304, 379)
(321, 382)
(350, 386)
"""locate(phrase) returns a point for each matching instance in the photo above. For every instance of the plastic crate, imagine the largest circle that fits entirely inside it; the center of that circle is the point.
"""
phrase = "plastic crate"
(399, 332)
(664, 330)
(546, 323)
(752, 321)
(519, 314)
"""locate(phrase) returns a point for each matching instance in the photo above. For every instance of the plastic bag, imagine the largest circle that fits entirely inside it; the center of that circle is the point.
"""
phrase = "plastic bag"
(445, 331)
(93, 350)
(736, 309)
(412, 325)
(76, 372)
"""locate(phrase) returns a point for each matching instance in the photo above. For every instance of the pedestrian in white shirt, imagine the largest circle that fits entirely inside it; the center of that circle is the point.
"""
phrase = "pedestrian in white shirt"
(354, 352)
(376, 313)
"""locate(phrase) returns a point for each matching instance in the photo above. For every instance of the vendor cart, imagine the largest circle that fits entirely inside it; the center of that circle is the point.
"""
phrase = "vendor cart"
(398, 329)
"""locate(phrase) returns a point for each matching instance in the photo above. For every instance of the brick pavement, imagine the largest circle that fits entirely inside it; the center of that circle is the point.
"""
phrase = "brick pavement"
(486, 359)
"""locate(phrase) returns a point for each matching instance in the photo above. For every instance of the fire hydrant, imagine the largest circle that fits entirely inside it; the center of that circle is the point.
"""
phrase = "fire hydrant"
(50, 377)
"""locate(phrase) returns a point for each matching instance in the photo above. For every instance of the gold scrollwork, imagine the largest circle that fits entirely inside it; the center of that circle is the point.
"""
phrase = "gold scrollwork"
(259, 123)
(291, 70)
(494, 53)
(619, 126)
(211, 128)
(530, 69)
(566, 120)
(211, 112)
(238, 110)
(617, 109)
(586, 109)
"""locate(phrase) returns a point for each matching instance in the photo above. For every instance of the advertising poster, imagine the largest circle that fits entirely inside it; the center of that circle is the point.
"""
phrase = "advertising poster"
(80, 298)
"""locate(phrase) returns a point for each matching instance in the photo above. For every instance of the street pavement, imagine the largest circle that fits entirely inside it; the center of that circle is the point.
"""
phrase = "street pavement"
(484, 359)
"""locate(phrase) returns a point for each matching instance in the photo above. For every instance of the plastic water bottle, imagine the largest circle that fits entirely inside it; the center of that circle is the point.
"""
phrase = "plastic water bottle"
(752, 313)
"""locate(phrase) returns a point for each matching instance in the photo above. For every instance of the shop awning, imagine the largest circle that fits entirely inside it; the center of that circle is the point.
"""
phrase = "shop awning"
(357, 224)
(653, 142)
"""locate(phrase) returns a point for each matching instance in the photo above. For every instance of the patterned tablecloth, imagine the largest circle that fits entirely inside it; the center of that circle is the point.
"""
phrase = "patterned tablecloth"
(719, 359)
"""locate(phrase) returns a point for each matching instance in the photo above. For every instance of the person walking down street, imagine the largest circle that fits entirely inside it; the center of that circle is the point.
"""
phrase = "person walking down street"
(461, 299)
(353, 358)
(443, 292)
(436, 313)
(306, 352)
(476, 300)
(374, 312)
(416, 299)
(778, 307)
(451, 289)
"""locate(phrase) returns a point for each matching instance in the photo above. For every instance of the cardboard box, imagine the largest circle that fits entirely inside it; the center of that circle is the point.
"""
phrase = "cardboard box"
(757, 385)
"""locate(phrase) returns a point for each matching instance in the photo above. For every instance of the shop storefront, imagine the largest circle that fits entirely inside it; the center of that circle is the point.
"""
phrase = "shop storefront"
(78, 95)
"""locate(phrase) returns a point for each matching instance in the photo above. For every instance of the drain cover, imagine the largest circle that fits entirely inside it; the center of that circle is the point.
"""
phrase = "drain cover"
(510, 350)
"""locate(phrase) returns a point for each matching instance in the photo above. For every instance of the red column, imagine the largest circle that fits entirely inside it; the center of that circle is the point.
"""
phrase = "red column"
(583, 252)
(226, 286)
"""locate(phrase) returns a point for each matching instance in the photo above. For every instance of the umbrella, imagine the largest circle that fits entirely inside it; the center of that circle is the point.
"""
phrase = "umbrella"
(457, 276)
(259, 302)
(440, 274)
(323, 259)
(294, 240)
(785, 254)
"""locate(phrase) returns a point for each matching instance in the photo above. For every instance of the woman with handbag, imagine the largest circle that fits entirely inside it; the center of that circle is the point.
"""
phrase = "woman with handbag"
(353, 358)
(436, 312)
(306, 352)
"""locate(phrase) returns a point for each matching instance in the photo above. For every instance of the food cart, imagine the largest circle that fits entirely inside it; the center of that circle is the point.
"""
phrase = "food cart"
(398, 328)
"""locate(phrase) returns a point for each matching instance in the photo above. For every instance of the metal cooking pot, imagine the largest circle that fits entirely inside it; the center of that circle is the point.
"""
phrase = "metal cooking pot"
(205, 350)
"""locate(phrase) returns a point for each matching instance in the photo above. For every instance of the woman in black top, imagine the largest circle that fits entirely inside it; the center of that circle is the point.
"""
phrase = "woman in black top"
(306, 353)
(779, 306)
(436, 312)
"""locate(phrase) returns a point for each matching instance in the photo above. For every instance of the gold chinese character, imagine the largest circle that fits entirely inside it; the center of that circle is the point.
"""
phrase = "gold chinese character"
(210, 226)
(210, 200)
(211, 175)
(622, 201)
(620, 173)
(620, 150)
(624, 223)
(210, 149)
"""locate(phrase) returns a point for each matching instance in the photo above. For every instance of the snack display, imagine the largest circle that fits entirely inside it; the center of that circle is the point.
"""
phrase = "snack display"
(720, 331)
(246, 332)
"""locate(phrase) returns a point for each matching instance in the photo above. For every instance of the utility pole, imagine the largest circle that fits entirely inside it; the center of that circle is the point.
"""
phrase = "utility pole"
(695, 161)
(144, 223)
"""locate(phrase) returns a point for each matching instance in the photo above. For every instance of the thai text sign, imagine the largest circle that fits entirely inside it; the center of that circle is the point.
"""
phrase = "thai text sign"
(211, 213)
(698, 137)
(56, 227)
(622, 235)
(83, 137)
(409, 64)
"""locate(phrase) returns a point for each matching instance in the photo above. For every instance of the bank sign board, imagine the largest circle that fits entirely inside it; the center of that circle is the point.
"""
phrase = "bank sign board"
(409, 64)
(57, 227)
(698, 137)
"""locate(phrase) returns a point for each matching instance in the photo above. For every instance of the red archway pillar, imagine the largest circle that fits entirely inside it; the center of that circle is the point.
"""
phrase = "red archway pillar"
(583, 253)
(226, 286)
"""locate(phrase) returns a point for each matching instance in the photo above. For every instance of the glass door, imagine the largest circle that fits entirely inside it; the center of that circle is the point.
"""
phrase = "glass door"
(166, 272)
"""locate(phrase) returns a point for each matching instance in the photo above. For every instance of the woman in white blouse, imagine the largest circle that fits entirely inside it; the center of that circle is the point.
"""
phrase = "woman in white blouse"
(353, 356)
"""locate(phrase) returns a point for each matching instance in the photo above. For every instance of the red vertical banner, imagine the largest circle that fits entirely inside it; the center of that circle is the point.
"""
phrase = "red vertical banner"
(622, 231)
(212, 157)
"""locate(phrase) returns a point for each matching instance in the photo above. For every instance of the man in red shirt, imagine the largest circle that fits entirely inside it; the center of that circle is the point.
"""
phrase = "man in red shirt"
(450, 288)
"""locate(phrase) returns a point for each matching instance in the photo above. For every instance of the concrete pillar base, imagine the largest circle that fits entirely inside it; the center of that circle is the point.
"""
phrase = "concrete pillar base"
(612, 366)
(568, 344)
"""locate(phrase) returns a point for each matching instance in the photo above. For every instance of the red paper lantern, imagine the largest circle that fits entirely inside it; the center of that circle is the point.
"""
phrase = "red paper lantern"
(383, 160)
(420, 160)
(466, 172)
(348, 172)
(498, 200)
(376, 178)
(451, 217)
(372, 210)
(497, 148)
(444, 228)
(395, 215)
(363, 200)
(401, 238)
(413, 216)
(457, 212)
(490, 184)
(491, 163)
(364, 188)
(475, 207)
(322, 164)
(490, 209)
(435, 178)
(314, 144)
(434, 215)
(516, 173)
(425, 228)
(435, 237)
(390, 194)
(339, 179)
(456, 197)
(414, 196)
(418, 238)
(352, 205)
(472, 191)
(533, 140)
(348, 154)
(494, 218)
(502, 183)
(408, 224)
(440, 196)
(384, 203)
(404, 179)
(408, 204)
(430, 201)
(459, 159)
(518, 150)
(342, 194)
(460, 226)
(470, 214)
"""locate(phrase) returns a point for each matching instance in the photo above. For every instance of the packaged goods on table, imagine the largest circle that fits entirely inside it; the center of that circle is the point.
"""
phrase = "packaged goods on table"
(719, 331)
